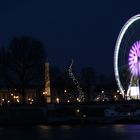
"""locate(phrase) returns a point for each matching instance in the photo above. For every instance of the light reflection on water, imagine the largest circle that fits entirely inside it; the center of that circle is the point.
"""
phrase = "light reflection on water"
(67, 132)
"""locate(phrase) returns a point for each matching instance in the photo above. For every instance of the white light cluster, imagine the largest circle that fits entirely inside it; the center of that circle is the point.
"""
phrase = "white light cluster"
(79, 89)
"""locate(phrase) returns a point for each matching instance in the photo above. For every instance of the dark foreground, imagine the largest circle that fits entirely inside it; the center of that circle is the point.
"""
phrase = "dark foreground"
(68, 132)
(95, 113)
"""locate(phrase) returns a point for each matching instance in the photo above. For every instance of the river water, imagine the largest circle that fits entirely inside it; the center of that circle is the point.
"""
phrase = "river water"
(74, 132)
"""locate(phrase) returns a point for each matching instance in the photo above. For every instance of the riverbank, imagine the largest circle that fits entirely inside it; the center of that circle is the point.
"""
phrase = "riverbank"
(56, 114)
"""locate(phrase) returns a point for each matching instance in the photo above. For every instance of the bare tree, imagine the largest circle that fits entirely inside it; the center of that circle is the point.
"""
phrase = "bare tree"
(87, 77)
(26, 65)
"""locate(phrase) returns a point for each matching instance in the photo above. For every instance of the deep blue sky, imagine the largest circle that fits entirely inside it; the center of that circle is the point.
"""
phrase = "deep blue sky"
(82, 29)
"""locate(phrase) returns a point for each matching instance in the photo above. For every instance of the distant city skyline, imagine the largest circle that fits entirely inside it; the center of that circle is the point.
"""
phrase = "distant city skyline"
(84, 30)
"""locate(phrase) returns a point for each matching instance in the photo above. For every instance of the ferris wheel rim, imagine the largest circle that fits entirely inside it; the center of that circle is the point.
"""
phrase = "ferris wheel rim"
(117, 48)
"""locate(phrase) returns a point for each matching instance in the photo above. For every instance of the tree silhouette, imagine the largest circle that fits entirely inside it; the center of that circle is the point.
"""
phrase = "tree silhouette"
(57, 82)
(26, 64)
(87, 78)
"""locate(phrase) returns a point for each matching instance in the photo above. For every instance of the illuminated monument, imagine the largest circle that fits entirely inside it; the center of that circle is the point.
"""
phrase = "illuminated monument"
(47, 92)
(127, 59)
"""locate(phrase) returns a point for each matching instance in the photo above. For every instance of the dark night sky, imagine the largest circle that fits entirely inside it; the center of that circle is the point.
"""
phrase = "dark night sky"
(82, 29)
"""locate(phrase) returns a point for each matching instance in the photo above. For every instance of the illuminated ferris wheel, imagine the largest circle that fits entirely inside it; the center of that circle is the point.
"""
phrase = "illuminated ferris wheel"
(127, 59)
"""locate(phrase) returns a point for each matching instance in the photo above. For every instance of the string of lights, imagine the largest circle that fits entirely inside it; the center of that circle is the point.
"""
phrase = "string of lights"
(81, 97)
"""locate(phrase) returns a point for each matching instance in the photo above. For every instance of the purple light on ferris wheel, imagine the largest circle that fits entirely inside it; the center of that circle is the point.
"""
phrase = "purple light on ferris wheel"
(134, 59)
